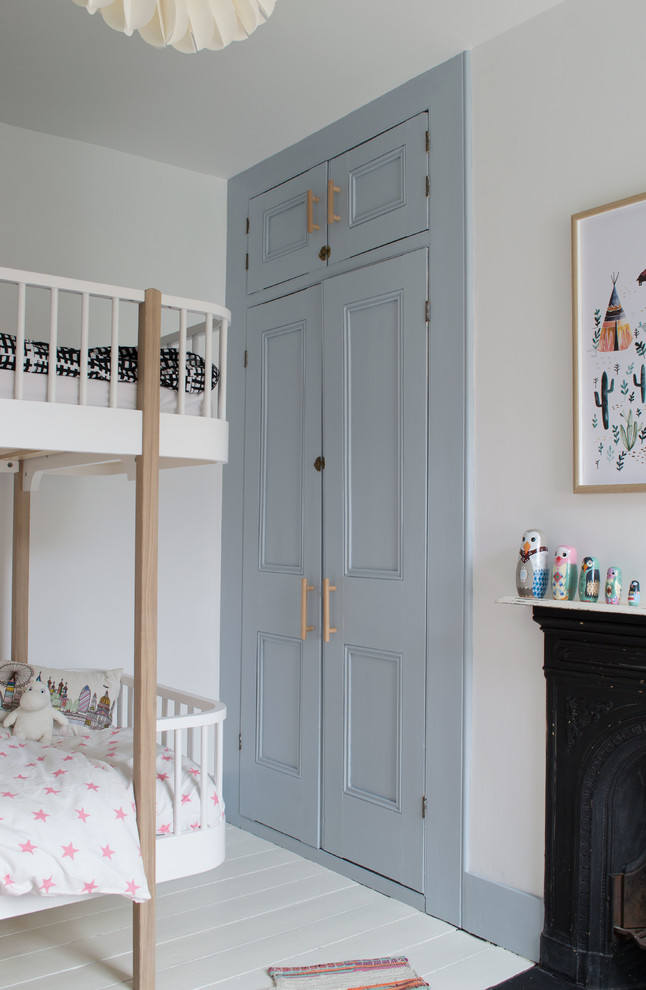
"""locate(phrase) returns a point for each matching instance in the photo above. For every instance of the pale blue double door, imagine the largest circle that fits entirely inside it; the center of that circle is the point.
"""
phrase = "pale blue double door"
(332, 733)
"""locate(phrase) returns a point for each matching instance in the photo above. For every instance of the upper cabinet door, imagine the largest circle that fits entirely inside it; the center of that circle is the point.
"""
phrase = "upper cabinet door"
(380, 190)
(287, 229)
(371, 195)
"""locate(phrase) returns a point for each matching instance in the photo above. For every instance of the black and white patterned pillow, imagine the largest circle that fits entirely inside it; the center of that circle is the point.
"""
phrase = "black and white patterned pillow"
(68, 363)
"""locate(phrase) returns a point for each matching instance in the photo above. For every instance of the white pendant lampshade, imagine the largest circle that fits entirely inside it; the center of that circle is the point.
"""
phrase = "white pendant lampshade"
(188, 25)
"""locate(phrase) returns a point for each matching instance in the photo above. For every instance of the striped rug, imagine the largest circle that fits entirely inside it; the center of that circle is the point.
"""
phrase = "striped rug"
(388, 973)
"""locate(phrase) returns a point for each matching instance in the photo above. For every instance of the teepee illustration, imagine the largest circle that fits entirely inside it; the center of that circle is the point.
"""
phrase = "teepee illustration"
(616, 334)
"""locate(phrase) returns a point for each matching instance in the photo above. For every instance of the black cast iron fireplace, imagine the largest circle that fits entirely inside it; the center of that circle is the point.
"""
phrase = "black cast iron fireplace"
(595, 833)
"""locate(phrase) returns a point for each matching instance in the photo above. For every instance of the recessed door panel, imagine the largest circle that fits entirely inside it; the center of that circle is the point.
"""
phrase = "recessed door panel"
(373, 723)
(373, 393)
(280, 706)
(281, 451)
(377, 187)
(382, 190)
(374, 498)
(287, 229)
(278, 701)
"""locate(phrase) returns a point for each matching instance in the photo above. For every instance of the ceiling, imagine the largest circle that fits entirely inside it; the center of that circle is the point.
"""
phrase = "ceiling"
(67, 73)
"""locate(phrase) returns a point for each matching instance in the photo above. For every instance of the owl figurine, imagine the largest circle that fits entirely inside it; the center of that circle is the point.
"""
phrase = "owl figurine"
(589, 580)
(613, 586)
(532, 569)
(634, 593)
(564, 574)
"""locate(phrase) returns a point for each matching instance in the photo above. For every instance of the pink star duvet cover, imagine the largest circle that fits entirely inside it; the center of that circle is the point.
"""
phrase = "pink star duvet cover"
(67, 816)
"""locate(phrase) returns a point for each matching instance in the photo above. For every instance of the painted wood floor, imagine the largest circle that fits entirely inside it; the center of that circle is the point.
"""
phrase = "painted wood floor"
(262, 906)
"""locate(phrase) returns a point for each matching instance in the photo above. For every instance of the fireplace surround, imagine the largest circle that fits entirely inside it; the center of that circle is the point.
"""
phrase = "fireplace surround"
(595, 823)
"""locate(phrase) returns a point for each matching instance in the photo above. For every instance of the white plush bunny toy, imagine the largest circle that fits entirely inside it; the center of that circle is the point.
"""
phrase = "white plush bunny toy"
(34, 717)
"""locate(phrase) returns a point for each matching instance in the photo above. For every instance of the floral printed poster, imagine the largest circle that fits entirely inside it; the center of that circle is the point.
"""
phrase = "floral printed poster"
(609, 285)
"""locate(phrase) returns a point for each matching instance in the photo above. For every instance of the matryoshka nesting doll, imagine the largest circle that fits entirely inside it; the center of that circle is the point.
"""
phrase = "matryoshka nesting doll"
(634, 594)
(589, 580)
(613, 586)
(564, 574)
(532, 569)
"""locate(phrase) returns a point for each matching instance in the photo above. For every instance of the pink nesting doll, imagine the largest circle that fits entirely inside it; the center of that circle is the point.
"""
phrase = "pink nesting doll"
(564, 574)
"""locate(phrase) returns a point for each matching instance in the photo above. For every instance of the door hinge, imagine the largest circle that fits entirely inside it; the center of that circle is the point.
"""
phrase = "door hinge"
(246, 264)
(428, 186)
(247, 225)
(245, 359)
(428, 148)
(427, 311)
(239, 740)
(424, 806)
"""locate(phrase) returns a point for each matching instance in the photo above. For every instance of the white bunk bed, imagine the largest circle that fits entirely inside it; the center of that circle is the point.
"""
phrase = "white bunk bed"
(94, 422)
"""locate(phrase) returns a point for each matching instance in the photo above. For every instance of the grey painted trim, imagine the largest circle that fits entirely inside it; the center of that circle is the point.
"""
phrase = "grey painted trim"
(509, 917)
(469, 447)
(447, 609)
(442, 90)
(341, 866)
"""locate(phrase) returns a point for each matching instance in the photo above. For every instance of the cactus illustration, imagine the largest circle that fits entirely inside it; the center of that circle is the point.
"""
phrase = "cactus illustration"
(641, 383)
(629, 434)
(602, 403)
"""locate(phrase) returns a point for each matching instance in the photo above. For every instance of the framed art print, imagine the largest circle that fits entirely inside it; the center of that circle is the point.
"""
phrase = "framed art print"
(609, 346)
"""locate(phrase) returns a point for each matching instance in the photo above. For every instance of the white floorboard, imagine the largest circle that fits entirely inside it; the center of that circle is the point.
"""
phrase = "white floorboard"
(263, 906)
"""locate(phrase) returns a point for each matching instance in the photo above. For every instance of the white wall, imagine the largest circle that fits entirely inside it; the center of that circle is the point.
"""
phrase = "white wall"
(558, 128)
(87, 212)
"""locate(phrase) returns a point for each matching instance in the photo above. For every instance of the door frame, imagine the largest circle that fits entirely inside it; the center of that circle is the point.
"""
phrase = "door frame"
(444, 92)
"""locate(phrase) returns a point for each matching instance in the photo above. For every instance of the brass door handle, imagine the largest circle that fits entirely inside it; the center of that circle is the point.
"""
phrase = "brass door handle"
(332, 217)
(305, 587)
(327, 628)
(311, 199)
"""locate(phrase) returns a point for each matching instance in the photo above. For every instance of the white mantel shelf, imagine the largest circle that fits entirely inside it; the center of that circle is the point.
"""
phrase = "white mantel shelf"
(576, 606)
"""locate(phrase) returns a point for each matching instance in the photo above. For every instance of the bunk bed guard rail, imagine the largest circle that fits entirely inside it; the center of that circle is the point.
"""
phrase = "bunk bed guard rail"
(64, 315)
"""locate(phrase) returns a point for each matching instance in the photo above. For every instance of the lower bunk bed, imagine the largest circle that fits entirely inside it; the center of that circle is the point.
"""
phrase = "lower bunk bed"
(67, 821)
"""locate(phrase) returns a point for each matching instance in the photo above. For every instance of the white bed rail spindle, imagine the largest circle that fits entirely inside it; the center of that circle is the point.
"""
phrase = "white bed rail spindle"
(181, 375)
(85, 337)
(222, 389)
(114, 353)
(53, 344)
(20, 341)
(177, 783)
(208, 362)
(204, 767)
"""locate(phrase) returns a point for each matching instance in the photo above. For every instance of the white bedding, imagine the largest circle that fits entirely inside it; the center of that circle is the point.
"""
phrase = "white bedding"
(67, 822)
(115, 747)
(67, 392)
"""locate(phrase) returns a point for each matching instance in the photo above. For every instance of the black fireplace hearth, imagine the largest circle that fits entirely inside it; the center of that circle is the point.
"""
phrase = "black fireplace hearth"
(594, 932)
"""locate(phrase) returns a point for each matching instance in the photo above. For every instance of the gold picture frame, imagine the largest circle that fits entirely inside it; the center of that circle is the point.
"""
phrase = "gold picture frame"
(609, 346)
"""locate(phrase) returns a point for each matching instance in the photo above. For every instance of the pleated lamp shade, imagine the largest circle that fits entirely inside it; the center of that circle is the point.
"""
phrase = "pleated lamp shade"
(187, 25)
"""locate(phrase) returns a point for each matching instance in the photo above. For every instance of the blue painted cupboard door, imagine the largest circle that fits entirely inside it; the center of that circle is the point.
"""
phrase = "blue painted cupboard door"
(338, 370)
(281, 672)
(371, 195)
(374, 553)
(287, 229)
(382, 190)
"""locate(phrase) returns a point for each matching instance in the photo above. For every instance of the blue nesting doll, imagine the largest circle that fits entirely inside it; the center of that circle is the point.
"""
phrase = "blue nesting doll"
(532, 569)
(634, 594)
(613, 586)
(564, 574)
(589, 580)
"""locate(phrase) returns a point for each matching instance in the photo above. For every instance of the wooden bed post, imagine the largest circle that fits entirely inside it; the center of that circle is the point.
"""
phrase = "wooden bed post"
(20, 571)
(146, 557)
